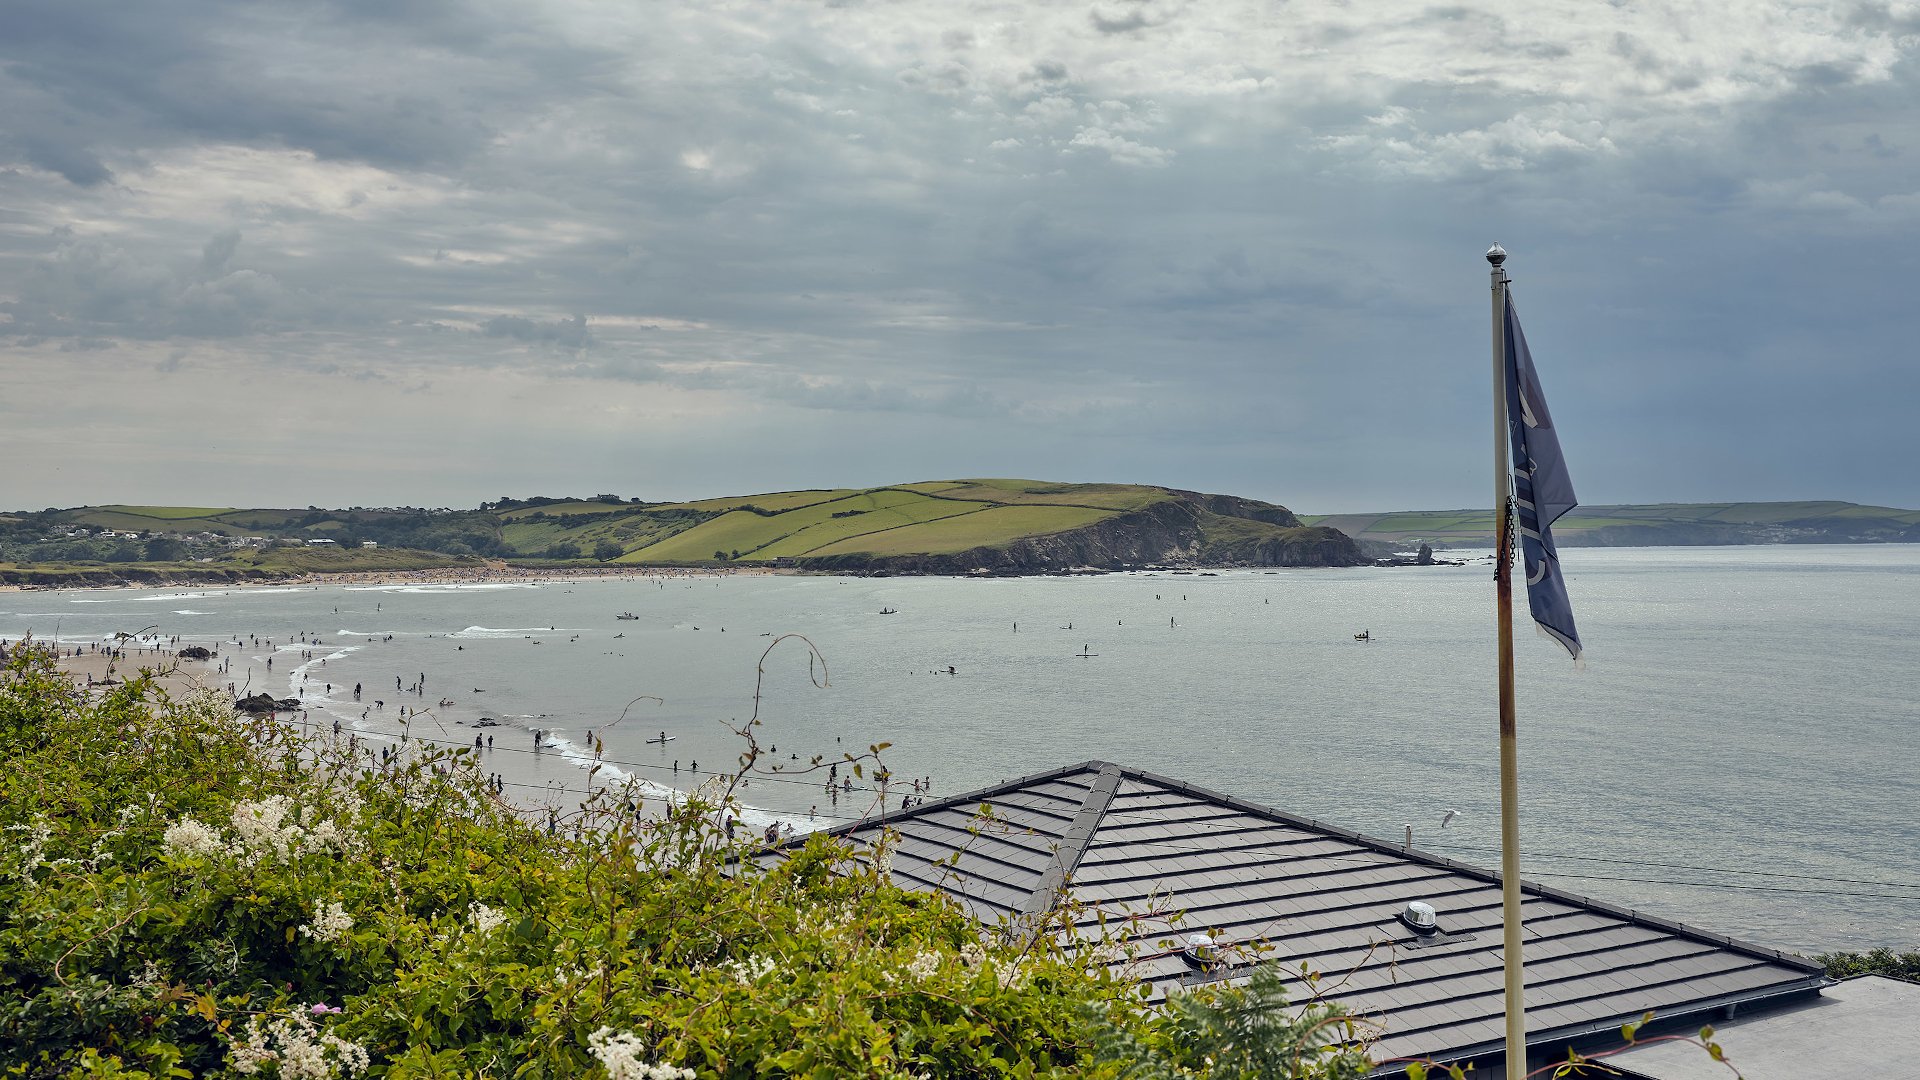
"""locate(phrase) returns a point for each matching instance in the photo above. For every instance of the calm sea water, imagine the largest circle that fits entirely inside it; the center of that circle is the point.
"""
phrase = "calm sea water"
(1740, 754)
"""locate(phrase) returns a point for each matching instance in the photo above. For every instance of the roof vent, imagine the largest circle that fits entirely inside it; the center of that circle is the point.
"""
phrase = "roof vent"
(1201, 948)
(1420, 918)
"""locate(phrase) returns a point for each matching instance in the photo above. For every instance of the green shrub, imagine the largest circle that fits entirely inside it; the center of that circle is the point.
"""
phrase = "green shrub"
(1840, 965)
(185, 892)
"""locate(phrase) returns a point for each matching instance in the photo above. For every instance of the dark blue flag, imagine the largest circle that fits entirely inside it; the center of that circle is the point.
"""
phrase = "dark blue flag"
(1542, 490)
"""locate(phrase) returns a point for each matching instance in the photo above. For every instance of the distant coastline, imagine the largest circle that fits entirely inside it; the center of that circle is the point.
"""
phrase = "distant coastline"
(992, 528)
(1645, 525)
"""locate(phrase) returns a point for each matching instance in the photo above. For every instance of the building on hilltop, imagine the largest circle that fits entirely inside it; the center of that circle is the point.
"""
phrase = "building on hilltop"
(1174, 860)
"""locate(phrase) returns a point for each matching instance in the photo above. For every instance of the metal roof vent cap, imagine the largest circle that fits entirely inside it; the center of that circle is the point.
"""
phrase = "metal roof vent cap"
(1202, 949)
(1420, 917)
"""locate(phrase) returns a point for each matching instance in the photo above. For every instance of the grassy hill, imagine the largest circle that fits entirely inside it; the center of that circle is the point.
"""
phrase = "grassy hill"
(1662, 524)
(944, 526)
(935, 527)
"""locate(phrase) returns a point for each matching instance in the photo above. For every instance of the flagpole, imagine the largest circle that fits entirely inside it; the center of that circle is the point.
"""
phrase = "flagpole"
(1509, 738)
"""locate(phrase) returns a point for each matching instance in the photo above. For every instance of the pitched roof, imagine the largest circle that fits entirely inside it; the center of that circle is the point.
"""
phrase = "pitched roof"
(1125, 842)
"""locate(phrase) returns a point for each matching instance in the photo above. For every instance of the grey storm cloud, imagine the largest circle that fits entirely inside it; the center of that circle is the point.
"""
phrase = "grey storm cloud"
(1230, 247)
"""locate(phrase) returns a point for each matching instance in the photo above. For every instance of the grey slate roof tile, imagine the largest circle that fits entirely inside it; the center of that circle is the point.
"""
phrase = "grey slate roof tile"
(1321, 895)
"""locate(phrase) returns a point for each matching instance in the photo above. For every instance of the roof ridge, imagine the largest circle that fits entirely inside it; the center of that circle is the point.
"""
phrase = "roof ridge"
(1072, 847)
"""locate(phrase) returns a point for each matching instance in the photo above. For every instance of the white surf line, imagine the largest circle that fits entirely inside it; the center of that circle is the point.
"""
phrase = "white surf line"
(298, 675)
(439, 586)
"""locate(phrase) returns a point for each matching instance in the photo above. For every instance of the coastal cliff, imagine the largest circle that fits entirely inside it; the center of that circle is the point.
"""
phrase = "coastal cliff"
(1190, 530)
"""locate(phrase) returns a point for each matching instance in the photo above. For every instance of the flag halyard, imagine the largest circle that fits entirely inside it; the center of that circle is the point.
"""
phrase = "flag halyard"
(1543, 492)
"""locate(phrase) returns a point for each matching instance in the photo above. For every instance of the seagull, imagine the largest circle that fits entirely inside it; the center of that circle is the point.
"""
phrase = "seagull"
(1448, 816)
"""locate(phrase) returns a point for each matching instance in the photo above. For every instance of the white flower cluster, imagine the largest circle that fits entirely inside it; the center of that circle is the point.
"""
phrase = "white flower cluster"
(1010, 975)
(750, 970)
(347, 802)
(485, 919)
(924, 966)
(190, 837)
(271, 828)
(298, 1046)
(330, 923)
(619, 1054)
(33, 852)
(263, 827)
(827, 920)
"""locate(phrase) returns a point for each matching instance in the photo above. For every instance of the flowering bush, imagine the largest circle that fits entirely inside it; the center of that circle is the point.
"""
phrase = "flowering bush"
(453, 938)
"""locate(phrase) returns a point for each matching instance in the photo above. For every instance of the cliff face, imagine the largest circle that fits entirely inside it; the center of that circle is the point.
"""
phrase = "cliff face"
(1234, 506)
(1170, 532)
(1303, 546)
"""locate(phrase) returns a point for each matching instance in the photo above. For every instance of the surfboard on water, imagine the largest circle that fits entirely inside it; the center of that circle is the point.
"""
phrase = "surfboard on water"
(668, 739)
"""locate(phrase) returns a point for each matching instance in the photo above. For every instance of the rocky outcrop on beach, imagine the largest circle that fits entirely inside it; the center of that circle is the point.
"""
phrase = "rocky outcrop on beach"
(1190, 530)
(264, 703)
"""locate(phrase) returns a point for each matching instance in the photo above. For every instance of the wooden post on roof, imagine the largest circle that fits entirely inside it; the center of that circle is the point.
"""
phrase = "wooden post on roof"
(1509, 735)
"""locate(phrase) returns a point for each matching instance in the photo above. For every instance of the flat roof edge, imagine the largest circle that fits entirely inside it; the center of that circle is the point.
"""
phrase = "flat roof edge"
(1572, 1032)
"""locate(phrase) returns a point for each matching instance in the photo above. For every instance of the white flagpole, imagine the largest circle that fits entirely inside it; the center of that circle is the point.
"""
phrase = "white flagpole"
(1509, 740)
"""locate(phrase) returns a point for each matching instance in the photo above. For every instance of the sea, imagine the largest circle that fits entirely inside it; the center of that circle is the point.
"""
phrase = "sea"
(1740, 752)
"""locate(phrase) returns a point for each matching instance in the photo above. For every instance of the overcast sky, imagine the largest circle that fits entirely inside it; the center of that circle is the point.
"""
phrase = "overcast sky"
(377, 252)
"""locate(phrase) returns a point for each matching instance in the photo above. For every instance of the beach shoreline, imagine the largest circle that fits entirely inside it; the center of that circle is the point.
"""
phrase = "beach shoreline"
(552, 776)
(493, 573)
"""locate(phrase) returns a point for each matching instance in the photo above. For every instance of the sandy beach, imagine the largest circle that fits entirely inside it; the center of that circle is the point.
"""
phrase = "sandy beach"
(175, 676)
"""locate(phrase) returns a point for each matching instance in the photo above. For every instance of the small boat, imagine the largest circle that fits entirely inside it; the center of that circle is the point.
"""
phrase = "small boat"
(1366, 635)
(626, 615)
(889, 611)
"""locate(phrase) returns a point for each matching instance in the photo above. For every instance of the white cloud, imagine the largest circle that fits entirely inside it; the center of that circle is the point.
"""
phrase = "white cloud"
(1120, 150)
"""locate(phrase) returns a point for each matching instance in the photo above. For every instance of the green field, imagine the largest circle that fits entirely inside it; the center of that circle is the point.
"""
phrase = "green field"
(1649, 525)
(918, 519)
(994, 527)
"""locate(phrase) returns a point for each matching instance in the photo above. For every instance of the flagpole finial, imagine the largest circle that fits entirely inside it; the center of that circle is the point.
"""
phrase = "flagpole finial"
(1496, 254)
